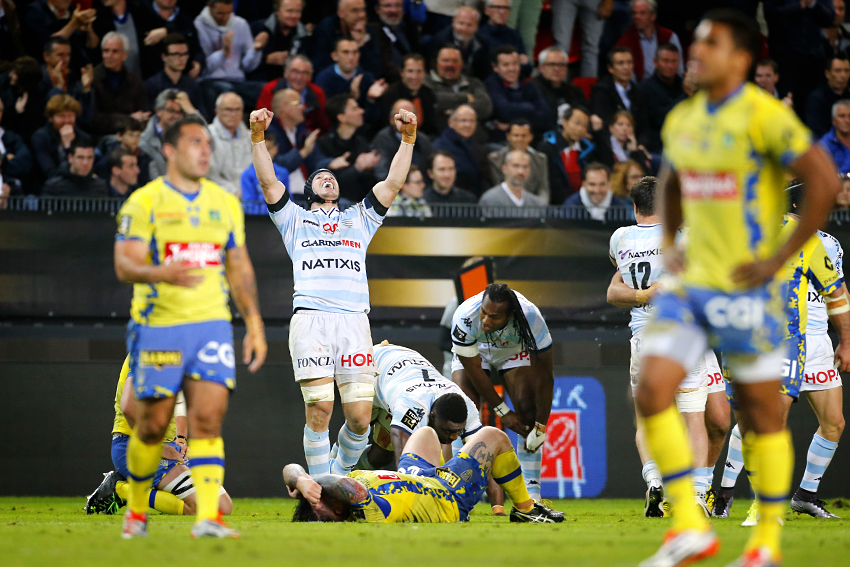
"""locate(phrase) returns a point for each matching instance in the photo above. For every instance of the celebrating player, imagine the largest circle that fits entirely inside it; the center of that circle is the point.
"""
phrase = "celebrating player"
(500, 328)
(181, 241)
(727, 150)
(329, 335)
(434, 494)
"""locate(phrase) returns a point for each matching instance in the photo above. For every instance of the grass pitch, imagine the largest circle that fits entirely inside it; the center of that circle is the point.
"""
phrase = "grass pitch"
(55, 532)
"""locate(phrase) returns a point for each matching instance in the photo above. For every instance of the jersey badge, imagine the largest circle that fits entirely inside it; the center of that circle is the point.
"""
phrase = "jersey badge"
(448, 477)
(412, 417)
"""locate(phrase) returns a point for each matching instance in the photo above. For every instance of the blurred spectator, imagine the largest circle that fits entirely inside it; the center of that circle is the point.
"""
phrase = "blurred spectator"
(442, 171)
(524, 18)
(52, 141)
(836, 39)
(496, 33)
(287, 37)
(624, 176)
(554, 84)
(837, 140)
(441, 12)
(411, 87)
(253, 201)
(5, 192)
(114, 90)
(346, 76)
(45, 18)
(462, 35)
(452, 88)
(519, 138)
(24, 97)
(349, 21)
(819, 105)
(123, 173)
(386, 142)
(511, 97)
(410, 201)
(297, 76)
(120, 16)
(396, 35)
(458, 140)
(511, 192)
(231, 141)
(767, 76)
(15, 158)
(622, 142)
(171, 106)
(842, 200)
(662, 90)
(11, 46)
(355, 160)
(595, 194)
(156, 20)
(126, 138)
(75, 178)
(591, 15)
(618, 92)
(55, 70)
(175, 58)
(644, 37)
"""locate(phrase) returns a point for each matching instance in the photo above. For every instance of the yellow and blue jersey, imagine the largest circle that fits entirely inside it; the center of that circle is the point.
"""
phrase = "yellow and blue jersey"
(177, 227)
(731, 160)
(119, 424)
(398, 497)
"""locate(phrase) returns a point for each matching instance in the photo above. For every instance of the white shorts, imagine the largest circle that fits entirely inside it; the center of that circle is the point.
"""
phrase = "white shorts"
(338, 345)
(713, 375)
(703, 375)
(515, 361)
(820, 370)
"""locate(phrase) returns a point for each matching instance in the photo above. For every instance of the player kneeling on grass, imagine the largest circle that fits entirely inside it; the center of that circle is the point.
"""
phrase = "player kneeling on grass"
(435, 494)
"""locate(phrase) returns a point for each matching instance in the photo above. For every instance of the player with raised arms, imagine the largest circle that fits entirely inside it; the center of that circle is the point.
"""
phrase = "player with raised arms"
(329, 335)
(727, 150)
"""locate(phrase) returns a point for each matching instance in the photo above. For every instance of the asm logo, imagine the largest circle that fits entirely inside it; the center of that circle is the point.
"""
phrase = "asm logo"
(330, 227)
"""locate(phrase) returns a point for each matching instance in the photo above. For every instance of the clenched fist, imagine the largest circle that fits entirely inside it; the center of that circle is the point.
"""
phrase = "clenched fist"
(260, 120)
(405, 122)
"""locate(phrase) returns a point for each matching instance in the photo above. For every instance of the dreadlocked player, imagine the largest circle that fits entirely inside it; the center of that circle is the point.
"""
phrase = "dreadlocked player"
(500, 328)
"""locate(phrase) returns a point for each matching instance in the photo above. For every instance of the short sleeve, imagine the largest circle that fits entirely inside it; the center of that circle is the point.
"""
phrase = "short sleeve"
(822, 273)
(134, 219)
(838, 259)
(784, 137)
(539, 328)
(612, 246)
(464, 342)
(370, 218)
(286, 221)
(237, 229)
(407, 415)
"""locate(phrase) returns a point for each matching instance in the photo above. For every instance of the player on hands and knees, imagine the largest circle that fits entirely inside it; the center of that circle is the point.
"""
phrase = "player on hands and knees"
(726, 151)
(329, 335)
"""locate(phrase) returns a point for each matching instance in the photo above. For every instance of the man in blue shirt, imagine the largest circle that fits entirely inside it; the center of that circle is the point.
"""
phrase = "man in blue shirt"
(837, 140)
(253, 201)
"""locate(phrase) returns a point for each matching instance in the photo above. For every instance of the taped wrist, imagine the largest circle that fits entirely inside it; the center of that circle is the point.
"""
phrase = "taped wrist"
(837, 305)
(408, 138)
(502, 409)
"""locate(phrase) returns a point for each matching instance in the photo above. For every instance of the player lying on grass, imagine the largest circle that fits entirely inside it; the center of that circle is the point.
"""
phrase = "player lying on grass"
(434, 494)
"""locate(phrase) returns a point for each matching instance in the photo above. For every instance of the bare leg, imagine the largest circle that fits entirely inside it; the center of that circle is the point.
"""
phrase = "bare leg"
(717, 424)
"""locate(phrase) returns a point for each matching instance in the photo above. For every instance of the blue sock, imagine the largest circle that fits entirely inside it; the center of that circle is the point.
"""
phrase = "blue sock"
(818, 458)
(702, 479)
(734, 460)
(351, 446)
(317, 448)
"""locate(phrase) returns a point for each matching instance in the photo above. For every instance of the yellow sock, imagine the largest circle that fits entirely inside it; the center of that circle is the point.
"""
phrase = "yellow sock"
(206, 459)
(668, 443)
(165, 502)
(122, 489)
(142, 461)
(772, 458)
(508, 474)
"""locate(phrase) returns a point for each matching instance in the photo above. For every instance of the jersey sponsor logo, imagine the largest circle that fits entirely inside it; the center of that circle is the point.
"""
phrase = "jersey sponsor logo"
(715, 379)
(823, 377)
(448, 477)
(639, 253)
(815, 297)
(459, 334)
(308, 221)
(124, 224)
(337, 263)
(412, 417)
(521, 355)
(198, 254)
(215, 215)
(314, 361)
(721, 185)
(389, 476)
(357, 360)
(409, 362)
(742, 313)
(217, 353)
(331, 243)
(828, 264)
(330, 227)
(430, 383)
(160, 358)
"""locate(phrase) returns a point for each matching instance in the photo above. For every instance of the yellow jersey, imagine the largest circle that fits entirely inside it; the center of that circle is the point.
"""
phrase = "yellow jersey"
(396, 497)
(120, 425)
(177, 227)
(731, 160)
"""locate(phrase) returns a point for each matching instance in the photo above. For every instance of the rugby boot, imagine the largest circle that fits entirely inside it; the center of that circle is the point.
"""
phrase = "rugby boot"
(214, 528)
(722, 503)
(814, 508)
(653, 508)
(539, 514)
(684, 548)
(759, 557)
(105, 499)
(135, 525)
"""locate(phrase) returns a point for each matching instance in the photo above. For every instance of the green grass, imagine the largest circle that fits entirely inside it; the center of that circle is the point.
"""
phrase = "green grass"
(55, 532)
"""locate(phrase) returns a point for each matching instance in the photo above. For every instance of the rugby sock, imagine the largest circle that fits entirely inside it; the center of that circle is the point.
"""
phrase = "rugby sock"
(734, 460)
(351, 446)
(651, 474)
(667, 440)
(122, 489)
(531, 464)
(165, 502)
(507, 471)
(702, 479)
(142, 461)
(317, 449)
(772, 459)
(207, 465)
(818, 458)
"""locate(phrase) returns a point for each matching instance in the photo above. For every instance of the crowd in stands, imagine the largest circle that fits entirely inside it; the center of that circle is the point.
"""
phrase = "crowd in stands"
(515, 109)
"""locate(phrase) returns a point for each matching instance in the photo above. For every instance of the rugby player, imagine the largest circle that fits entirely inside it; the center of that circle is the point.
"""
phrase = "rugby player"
(329, 335)
(181, 241)
(435, 494)
(727, 150)
(500, 328)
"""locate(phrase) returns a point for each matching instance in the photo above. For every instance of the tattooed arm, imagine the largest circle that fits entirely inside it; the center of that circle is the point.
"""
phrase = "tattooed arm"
(341, 488)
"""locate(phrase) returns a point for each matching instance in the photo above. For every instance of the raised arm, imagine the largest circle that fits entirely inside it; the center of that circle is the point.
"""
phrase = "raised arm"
(386, 190)
(243, 289)
(273, 189)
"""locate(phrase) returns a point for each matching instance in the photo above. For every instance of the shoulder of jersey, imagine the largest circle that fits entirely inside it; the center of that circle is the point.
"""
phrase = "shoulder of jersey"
(475, 299)
(615, 237)
(218, 189)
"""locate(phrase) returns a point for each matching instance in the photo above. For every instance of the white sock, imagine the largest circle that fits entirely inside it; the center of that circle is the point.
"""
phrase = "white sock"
(317, 449)
(651, 475)
(734, 460)
(818, 458)
(702, 479)
(351, 446)
(530, 463)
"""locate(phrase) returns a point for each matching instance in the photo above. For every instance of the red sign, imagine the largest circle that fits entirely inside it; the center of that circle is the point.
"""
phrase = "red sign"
(562, 450)
(199, 254)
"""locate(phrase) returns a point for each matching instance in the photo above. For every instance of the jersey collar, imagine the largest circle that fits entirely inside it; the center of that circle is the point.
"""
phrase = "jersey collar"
(188, 196)
(714, 107)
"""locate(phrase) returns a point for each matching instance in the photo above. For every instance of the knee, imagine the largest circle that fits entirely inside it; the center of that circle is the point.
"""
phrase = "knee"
(358, 422)
(152, 430)
(834, 428)
(205, 422)
(225, 504)
(319, 415)
(189, 506)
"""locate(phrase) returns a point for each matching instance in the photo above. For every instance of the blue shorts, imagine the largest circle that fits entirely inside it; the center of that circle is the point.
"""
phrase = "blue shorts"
(792, 372)
(160, 357)
(119, 459)
(462, 475)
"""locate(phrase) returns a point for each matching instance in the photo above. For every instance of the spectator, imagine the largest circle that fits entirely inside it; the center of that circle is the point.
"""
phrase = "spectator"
(298, 76)
(410, 87)
(253, 201)
(15, 158)
(525, 17)
(519, 138)
(458, 140)
(175, 58)
(767, 76)
(595, 194)
(355, 169)
(350, 22)
(23, 96)
(115, 91)
(452, 88)
(75, 178)
(348, 77)
(511, 97)
(171, 106)
(126, 138)
(625, 175)
(123, 173)
(842, 200)
(591, 15)
(819, 105)
(410, 201)
(52, 141)
(836, 39)
(120, 16)
(386, 142)
(442, 171)
(45, 18)
(511, 192)
(231, 143)
(617, 92)
(837, 140)
(439, 13)
(622, 143)
(552, 81)
(156, 20)
(662, 91)
(644, 37)
(287, 37)
(496, 33)
(56, 68)
(11, 46)
(461, 34)
(396, 36)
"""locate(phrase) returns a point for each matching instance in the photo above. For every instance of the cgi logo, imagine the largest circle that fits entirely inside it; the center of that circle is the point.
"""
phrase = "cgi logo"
(741, 313)
(330, 227)
(218, 353)
(357, 360)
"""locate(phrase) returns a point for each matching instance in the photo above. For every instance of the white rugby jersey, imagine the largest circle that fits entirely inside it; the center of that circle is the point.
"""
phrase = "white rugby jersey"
(636, 250)
(408, 385)
(469, 340)
(818, 320)
(328, 251)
